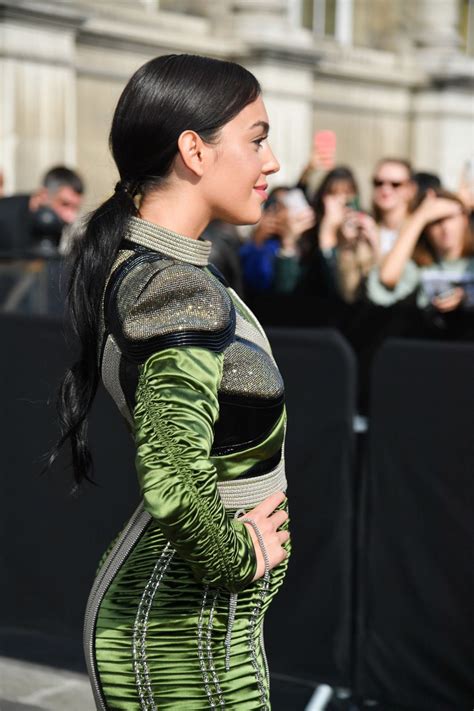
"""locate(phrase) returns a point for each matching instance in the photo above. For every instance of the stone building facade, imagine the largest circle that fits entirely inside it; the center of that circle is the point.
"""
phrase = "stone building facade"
(390, 77)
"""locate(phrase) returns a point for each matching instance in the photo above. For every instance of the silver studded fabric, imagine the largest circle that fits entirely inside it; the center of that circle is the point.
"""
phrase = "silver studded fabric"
(264, 585)
(210, 678)
(140, 628)
(248, 370)
(121, 257)
(172, 244)
(244, 493)
(111, 377)
(246, 330)
(174, 297)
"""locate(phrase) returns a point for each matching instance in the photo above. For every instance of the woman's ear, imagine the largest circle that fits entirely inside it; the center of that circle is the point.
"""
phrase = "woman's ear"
(191, 148)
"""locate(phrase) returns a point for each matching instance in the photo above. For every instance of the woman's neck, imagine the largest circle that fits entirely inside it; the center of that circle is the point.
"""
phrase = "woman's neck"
(393, 219)
(450, 255)
(179, 213)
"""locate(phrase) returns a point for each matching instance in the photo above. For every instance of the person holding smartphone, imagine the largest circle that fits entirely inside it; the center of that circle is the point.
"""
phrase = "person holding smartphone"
(270, 259)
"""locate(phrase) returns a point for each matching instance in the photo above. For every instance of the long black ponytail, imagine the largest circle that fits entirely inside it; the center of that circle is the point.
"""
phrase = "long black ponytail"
(165, 97)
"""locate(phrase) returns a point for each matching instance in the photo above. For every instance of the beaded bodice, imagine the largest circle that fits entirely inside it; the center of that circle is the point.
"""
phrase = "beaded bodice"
(164, 293)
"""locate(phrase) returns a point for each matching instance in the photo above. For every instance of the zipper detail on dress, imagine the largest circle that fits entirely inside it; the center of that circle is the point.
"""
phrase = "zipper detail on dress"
(127, 539)
(264, 655)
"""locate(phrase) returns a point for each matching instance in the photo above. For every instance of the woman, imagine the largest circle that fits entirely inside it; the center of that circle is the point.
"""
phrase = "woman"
(337, 254)
(393, 192)
(431, 259)
(174, 619)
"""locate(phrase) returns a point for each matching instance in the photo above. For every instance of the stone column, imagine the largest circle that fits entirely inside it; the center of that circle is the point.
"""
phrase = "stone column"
(37, 90)
(254, 17)
(435, 24)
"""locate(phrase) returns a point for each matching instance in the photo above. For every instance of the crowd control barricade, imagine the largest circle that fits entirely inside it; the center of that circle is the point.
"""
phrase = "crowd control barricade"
(308, 629)
(416, 644)
(51, 541)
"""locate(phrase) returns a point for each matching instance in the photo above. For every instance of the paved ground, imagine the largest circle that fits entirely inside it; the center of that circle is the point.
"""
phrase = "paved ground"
(31, 687)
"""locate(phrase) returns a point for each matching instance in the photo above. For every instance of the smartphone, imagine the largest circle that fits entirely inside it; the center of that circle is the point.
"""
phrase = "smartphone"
(446, 293)
(295, 200)
(354, 204)
(325, 143)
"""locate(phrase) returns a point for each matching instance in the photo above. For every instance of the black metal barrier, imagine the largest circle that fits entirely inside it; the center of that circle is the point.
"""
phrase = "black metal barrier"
(51, 542)
(416, 646)
(308, 630)
(404, 642)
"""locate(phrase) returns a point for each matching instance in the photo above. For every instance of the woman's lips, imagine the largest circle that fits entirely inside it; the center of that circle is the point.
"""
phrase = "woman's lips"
(262, 191)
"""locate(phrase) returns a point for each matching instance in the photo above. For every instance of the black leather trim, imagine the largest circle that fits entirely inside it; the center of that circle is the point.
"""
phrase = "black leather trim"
(139, 351)
(242, 426)
(261, 468)
(219, 276)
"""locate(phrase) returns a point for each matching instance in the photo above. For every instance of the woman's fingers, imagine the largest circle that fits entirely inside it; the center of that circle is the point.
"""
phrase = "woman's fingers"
(278, 518)
(283, 537)
(268, 505)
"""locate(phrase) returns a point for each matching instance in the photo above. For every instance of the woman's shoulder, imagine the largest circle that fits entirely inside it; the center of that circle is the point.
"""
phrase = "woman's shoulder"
(154, 302)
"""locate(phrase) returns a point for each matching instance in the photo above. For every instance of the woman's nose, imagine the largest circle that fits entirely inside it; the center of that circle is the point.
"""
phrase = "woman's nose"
(271, 165)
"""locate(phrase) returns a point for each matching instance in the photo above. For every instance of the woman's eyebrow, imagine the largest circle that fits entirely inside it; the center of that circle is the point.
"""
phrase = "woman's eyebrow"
(260, 124)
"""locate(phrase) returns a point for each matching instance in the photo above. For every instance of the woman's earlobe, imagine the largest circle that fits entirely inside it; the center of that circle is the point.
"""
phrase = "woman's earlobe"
(190, 149)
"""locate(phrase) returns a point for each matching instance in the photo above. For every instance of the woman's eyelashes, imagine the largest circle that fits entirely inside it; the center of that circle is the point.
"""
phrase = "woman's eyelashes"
(258, 141)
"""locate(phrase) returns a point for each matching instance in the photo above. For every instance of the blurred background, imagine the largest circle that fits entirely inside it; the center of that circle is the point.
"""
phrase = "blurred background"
(371, 104)
(390, 77)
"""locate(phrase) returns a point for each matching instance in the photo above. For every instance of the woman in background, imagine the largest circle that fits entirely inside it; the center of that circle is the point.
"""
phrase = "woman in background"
(435, 246)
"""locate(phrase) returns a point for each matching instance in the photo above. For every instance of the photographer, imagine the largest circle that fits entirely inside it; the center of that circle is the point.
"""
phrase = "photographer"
(30, 223)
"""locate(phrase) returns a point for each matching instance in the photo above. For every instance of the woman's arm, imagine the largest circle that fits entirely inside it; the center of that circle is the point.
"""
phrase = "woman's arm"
(174, 417)
(431, 209)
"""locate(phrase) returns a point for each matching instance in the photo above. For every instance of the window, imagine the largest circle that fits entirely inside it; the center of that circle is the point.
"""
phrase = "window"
(466, 25)
(326, 18)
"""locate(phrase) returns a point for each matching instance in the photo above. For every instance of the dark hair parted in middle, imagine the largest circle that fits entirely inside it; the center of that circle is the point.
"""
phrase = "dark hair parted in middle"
(166, 96)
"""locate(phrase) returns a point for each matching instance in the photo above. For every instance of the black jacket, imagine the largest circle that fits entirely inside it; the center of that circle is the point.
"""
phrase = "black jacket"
(16, 224)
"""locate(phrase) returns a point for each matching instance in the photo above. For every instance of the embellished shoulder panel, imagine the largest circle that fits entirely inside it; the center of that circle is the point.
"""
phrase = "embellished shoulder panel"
(155, 302)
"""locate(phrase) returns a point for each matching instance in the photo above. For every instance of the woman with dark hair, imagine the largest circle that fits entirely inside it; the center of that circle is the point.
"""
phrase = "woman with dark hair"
(337, 254)
(174, 619)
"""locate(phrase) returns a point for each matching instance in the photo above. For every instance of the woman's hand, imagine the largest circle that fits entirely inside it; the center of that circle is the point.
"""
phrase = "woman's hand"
(369, 231)
(269, 226)
(449, 303)
(268, 522)
(293, 225)
(335, 210)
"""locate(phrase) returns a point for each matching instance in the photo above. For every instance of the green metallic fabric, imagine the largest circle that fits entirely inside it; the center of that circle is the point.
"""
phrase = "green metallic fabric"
(162, 624)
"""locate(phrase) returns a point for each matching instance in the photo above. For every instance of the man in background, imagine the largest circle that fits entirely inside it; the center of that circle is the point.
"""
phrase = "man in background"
(27, 221)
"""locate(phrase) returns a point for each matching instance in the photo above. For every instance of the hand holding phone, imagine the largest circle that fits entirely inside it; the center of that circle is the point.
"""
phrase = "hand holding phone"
(324, 149)
(295, 200)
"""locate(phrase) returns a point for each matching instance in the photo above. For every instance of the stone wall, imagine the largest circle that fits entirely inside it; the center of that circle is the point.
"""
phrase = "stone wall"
(407, 92)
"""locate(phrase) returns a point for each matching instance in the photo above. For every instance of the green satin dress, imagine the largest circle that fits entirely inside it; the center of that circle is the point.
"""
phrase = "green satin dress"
(173, 620)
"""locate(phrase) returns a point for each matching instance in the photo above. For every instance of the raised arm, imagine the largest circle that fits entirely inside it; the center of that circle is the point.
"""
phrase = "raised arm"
(431, 209)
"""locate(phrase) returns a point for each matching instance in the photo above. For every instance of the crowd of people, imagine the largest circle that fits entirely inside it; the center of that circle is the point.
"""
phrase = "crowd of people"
(415, 246)
(404, 267)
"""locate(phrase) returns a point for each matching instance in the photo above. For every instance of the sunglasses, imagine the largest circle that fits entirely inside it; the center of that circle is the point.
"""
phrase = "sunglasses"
(377, 183)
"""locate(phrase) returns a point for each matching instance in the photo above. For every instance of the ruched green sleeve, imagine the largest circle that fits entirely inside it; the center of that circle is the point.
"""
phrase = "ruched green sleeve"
(176, 408)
